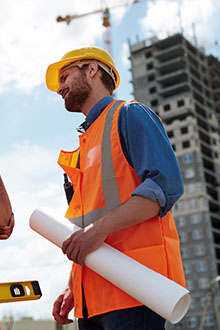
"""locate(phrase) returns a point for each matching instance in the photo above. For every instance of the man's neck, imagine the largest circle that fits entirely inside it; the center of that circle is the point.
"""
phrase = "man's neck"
(93, 98)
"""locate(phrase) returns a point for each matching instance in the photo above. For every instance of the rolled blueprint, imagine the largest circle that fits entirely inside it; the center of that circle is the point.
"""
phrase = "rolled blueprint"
(157, 292)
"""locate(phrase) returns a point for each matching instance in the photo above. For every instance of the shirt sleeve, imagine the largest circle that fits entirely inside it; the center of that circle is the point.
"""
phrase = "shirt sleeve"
(147, 149)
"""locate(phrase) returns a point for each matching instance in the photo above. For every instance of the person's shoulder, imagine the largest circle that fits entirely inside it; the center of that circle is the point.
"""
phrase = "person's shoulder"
(135, 108)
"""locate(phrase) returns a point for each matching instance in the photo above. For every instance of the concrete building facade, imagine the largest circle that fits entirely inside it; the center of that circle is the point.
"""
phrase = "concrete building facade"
(179, 82)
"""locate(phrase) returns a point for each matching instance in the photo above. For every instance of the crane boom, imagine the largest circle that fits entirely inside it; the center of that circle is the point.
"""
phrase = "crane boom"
(69, 18)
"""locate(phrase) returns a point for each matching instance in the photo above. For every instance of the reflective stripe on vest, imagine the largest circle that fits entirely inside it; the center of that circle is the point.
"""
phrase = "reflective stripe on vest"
(110, 188)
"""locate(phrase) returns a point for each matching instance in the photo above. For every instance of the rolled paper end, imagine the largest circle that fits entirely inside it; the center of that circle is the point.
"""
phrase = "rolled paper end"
(180, 309)
(51, 229)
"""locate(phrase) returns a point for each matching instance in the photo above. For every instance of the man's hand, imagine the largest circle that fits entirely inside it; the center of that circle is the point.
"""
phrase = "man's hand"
(62, 306)
(82, 242)
(6, 215)
(5, 205)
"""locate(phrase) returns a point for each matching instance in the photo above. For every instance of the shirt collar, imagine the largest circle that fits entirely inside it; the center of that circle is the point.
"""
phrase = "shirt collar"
(95, 112)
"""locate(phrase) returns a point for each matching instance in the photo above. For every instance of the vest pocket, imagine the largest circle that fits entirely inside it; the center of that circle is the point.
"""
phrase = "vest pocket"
(153, 257)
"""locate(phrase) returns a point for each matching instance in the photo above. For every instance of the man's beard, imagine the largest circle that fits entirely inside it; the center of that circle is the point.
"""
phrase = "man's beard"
(80, 90)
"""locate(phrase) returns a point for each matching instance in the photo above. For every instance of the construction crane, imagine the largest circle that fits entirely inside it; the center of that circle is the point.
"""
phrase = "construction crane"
(106, 20)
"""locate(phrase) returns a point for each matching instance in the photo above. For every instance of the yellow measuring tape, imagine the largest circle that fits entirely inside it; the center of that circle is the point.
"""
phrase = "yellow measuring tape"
(19, 291)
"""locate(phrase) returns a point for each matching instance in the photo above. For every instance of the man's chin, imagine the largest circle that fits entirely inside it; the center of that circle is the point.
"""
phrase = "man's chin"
(72, 108)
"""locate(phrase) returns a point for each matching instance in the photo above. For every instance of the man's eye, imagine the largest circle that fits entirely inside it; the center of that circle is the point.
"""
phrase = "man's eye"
(63, 78)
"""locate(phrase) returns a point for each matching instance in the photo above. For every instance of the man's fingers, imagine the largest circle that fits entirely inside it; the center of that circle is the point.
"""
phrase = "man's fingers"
(62, 319)
(80, 258)
(61, 311)
(66, 244)
(70, 248)
(70, 251)
(56, 311)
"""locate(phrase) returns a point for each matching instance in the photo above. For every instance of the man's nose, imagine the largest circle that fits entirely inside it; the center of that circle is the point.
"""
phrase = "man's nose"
(59, 90)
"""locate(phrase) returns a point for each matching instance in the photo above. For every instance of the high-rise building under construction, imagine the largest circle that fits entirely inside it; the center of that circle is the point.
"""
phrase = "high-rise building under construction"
(182, 84)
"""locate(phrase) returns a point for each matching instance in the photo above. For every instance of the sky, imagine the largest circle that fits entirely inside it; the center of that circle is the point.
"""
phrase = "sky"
(35, 126)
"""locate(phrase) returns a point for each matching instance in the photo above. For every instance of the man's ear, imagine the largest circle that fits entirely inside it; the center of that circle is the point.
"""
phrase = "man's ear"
(93, 69)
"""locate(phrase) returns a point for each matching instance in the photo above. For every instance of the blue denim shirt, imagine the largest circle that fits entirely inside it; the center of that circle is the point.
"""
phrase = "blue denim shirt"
(147, 149)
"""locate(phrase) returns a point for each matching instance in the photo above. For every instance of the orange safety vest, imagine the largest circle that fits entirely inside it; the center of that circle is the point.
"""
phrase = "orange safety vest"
(104, 181)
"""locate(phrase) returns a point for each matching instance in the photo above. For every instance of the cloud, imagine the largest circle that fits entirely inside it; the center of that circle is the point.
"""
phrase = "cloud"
(156, 22)
(125, 55)
(31, 176)
(29, 159)
(33, 179)
(31, 38)
(117, 14)
(200, 14)
(179, 15)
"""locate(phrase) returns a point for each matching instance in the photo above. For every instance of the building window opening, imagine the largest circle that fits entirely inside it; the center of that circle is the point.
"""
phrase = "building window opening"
(151, 77)
(148, 54)
(154, 103)
(197, 234)
(192, 322)
(201, 266)
(180, 103)
(152, 90)
(187, 159)
(170, 134)
(150, 66)
(166, 107)
(184, 130)
(199, 250)
(189, 173)
(186, 144)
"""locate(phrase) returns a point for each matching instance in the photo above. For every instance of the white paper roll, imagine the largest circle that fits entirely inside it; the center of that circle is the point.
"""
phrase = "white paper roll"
(163, 296)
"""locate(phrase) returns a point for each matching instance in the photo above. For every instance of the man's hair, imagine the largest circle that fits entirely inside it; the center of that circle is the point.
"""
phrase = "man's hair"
(107, 80)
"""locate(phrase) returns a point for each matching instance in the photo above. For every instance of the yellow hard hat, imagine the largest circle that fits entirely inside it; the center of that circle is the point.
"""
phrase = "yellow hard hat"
(93, 53)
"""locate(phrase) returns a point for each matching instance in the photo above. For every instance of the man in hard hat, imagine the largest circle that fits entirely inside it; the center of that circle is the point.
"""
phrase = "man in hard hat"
(6, 214)
(126, 179)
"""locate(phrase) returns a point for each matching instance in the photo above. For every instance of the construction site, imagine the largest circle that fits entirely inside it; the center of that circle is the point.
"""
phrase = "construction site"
(178, 80)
